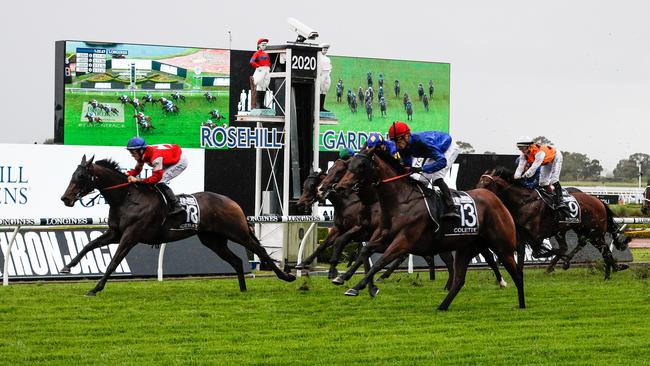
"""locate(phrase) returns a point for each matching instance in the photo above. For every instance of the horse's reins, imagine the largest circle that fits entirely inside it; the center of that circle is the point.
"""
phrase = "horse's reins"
(117, 186)
(500, 193)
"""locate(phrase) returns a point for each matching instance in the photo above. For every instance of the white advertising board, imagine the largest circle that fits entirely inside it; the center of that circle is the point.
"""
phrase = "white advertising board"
(34, 177)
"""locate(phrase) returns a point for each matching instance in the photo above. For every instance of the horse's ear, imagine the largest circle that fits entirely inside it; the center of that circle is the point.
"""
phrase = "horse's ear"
(83, 160)
(91, 160)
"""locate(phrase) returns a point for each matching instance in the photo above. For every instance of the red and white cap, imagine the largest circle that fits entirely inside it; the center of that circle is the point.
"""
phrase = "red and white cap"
(262, 40)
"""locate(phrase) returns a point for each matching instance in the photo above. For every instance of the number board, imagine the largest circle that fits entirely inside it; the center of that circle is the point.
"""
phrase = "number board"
(304, 63)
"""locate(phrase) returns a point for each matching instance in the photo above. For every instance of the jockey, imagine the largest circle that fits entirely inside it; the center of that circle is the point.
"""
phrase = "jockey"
(261, 77)
(439, 151)
(549, 161)
(345, 153)
(167, 161)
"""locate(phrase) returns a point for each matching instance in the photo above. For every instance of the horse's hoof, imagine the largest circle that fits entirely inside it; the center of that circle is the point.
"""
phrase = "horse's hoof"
(91, 294)
(550, 269)
(299, 266)
(566, 266)
(621, 267)
(352, 292)
(373, 291)
(64, 270)
(380, 279)
(503, 283)
(290, 277)
(332, 274)
(338, 281)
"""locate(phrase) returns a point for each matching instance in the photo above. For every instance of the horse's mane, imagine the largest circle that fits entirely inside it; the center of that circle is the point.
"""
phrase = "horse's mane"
(390, 160)
(505, 173)
(110, 164)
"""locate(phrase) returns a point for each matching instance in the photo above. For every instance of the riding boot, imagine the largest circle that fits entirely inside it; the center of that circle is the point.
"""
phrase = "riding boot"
(172, 201)
(449, 206)
(557, 190)
(322, 103)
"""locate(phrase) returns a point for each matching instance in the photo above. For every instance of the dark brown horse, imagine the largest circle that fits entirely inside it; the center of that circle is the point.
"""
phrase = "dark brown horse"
(407, 228)
(354, 221)
(536, 220)
(138, 215)
(352, 213)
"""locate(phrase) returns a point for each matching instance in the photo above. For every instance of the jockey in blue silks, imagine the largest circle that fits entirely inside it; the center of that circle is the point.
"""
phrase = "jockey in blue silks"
(439, 151)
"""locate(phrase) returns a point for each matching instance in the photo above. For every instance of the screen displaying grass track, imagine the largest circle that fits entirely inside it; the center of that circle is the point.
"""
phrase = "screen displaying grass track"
(182, 128)
(175, 89)
(353, 72)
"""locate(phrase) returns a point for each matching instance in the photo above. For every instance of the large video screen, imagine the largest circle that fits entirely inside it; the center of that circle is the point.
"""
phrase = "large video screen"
(415, 92)
(114, 91)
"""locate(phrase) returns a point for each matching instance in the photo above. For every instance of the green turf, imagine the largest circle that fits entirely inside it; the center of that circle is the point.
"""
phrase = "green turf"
(353, 73)
(182, 129)
(573, 317)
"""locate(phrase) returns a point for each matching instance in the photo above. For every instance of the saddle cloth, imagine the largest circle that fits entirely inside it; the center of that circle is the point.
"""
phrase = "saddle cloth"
(192, 212)
(571, 215)
(465, 205)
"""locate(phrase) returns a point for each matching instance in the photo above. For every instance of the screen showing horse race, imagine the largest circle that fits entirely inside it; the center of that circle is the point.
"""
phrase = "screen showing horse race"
(109, 92)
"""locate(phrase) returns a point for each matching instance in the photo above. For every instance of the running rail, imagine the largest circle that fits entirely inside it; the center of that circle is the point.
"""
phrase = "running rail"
(102, 222)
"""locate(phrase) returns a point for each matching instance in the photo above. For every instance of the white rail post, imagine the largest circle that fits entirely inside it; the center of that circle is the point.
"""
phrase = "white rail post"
(161, 254)
(302, 247)
(7, 254)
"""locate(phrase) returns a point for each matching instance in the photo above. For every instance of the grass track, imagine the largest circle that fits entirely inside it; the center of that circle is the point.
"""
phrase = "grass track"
(573, 317)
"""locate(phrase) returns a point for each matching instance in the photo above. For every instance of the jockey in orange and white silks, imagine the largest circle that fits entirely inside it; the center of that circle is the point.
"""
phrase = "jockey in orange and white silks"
(545, 157)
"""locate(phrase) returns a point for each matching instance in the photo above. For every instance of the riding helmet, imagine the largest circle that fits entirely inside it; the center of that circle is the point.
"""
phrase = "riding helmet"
(524, 141)
(136, 143)
(398, 129)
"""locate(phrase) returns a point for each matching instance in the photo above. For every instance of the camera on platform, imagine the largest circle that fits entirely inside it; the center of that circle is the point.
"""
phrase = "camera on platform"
(304, 31)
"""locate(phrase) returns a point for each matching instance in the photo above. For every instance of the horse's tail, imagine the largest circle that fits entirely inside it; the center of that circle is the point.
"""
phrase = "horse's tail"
(615, 230)
(612, 227)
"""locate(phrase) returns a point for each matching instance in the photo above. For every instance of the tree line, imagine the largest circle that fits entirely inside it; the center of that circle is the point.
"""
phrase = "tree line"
(578, 166)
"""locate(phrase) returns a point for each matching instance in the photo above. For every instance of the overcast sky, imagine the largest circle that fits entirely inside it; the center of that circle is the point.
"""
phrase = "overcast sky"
(577, 72)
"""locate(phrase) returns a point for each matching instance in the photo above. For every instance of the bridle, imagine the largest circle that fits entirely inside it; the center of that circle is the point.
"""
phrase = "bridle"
(89, 184)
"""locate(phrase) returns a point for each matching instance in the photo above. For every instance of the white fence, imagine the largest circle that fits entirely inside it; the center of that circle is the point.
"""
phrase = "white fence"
(101, 223)
(20, 223)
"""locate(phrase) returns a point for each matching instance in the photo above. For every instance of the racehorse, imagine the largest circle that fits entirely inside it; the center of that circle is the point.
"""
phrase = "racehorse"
(357, 220)
(138, 215)
(209, 124)
(405, 99)
(425, 101)
(409, 110)
(645, 207)
(353, 103)
(124, 99)
(536, 220)
(148, 98)
(93, 119)
(216, 115)
(420, 91)
(430, 89)
(93, 103)
(339, 91)
(382, 106)
(407, 227)
(397, 89)
(369, 109)
(176, 96)
(144, 122)
(115, 111)
(361, 95)
(209, 97)
(369, 78)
